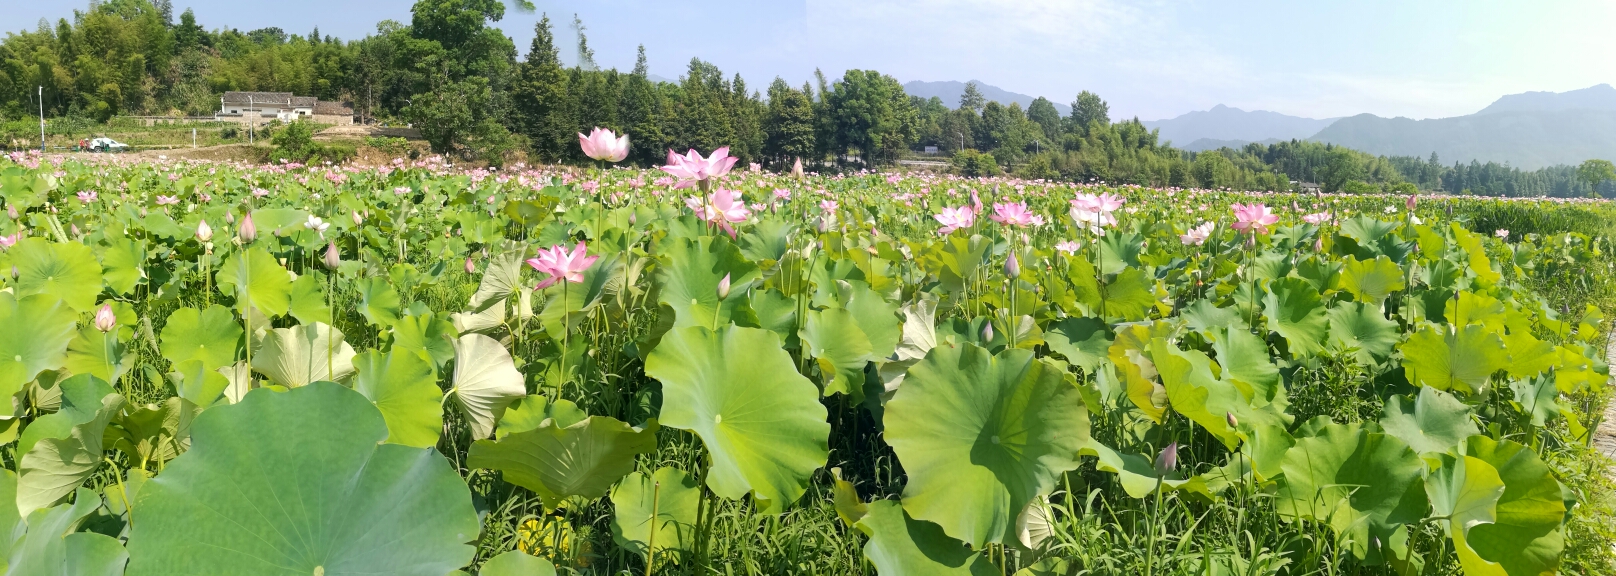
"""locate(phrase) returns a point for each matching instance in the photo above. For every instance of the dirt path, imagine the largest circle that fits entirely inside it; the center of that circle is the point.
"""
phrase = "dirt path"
(1605, 436)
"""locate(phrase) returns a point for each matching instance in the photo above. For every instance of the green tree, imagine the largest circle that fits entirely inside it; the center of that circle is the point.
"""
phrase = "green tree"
(459, 118)
(1340, 167)
(872, 114)
(1595, 172)
(641, 111)
(1089, 110)
(790, 123)
(538, 96)
(972, 98)
(1043, 113)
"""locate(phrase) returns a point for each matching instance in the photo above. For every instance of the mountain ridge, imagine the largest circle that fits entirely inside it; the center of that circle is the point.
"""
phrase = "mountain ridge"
(950, 90)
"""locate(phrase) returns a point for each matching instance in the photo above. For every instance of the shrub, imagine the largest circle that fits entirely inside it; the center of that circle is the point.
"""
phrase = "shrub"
(972, 163)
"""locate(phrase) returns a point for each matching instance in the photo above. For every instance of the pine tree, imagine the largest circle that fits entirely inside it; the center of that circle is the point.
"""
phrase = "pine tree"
(790, 124)
(972, 99)
(640, 111)
(538, 96)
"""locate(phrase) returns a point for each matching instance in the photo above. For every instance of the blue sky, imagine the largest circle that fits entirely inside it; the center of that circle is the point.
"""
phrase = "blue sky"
(1149, 58)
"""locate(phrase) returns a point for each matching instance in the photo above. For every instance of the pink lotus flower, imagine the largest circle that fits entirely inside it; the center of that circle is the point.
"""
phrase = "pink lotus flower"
(561, 265)
(87, 196)
(105, 319)
(723, 207)
(893, 179)
(1014, 214)
(1068, 246)
(6, 242)
(1198, 235)
(1254, 218)
(604, 145)
(827, 205)
(693, 168)
(1502, 234)
(1095, 212)
(1316, 218)
(782, 193)
(955, 218)
(167, 200)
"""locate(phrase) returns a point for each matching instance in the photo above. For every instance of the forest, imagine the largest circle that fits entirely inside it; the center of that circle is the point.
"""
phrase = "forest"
(474, 95)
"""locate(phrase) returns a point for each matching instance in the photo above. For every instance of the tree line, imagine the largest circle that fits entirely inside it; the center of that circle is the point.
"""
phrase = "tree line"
(469, 90)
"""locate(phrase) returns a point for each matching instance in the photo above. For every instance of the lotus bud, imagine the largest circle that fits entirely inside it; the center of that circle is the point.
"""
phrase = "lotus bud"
(333, 258)
(229, 218)
(247, 231)
(74, 228)
(723, 288)
(14, 272)
(471, 267)
(987, 331)
(1012, 268)
(11, 210)
(1412, 200)
(1167, 461)
(105, 320)
(204, 233)
(796, 169)
(1233, 422)
(357, 219)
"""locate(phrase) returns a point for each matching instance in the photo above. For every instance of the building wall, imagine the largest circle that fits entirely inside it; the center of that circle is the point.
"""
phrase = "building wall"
(334, 119)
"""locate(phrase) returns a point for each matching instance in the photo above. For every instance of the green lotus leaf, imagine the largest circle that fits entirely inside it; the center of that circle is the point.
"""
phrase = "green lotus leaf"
(62, 450)
(356, 506)
(1197, 393)
(776, 312)
(279, 221)
(212, 336)
(1576, 371)
(1363, 330)
(155, 432)
(1130, 295)
(532, 411)
(1464, 492)
(665, 502)
(47, 545)
(308, 304)
(65, 270)
(876, 317)
(99, 353)
(919, 337)
(1435, 422)
(1244, 359)
(501, 281)
(849, 507)
(901, 546)
(981, 435)
(1527, 533)
(254, 277)
(123, 264)
(1364, 485)
(833, 338)
(556, 463)
(1371, 281)
(760, 420)
(1265, 449)
(1478, 262)
(427, 335)
(378, 302)
(1537, 398)
(193, 381)
(1295, 312)
(1082, 341)
(1129, 352)
(1528, 356)
(516, 563)
(485, 382)
(1204, 316)
(39, 328)
(1051, 566)
(296, 356)
(404, 390)
(1472, 308)
(689, 276)
(1448, 360)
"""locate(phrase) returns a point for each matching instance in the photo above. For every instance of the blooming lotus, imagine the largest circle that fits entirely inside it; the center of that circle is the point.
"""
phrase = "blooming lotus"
(1316, 218)
(87, 196)
(692, 168)
(204, 232)
(1254, 218)
(604, 145)
(782, 194)
(316, 224)
(955, 218)
(722, 207)
(1014, 214)
(1095, 212)
(167, 200)
(1503, 234)
(827, 205)
(562, 265)
(1068, 246)
(1198, 235)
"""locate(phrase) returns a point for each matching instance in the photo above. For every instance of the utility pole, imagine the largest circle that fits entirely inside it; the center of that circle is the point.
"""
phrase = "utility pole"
(42, 149)
(193, 138)
(251, 122)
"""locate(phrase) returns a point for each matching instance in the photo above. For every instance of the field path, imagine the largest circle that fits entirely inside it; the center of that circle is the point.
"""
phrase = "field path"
(1605, 436)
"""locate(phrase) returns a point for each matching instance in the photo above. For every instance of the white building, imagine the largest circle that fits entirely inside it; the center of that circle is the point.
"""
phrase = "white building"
(261, 107)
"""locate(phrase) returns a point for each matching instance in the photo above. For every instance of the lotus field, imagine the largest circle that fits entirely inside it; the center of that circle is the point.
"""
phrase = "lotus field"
(423, 369)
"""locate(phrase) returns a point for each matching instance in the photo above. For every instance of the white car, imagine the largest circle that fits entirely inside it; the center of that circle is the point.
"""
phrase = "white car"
(107, 145)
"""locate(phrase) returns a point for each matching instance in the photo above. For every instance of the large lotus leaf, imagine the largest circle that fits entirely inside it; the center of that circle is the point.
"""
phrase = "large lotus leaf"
(1528, 356)
(834, 340)
(1371, 281)
(212, 335)
(309, 303)
(1245, 362)
(253, 276)
(1477, 262)
(876, 317)
(428, 335)
(296, 356)
(1205, 316)
(11, 519)
(279, 221)
(583, 459)
(50, 547)
(1526, 534)
(1082, 341)
(38, 330)
(1577, 370)
(689, 276)
(1130, 353)
(1197, 393)
(501, 280)
(516, 563)
(194, 382)
(1265, 449)
(903, 546)
(100, 354)
(1434, 422)
(485, 382)
(65, 270)
(665, 502)
(1464, 492)
(1129, 296)
(760, 420)
(155, 432)
(299, 482)
(1364, 485)
(1363, 330)
(532, 411)
(404, 390)
(1472, 308)
(123, 264)
(1441, 358)
(919, 336)
(776, 312)
(1294, 310)
(1537, 398)
(378, 302)
(62, 450)
(981, 435)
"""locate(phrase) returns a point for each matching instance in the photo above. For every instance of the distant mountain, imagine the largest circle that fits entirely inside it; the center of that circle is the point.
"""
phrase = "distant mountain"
(1601, 97)
(950, 91)
(1529, 131)
(1204, 144)
(1225, 123)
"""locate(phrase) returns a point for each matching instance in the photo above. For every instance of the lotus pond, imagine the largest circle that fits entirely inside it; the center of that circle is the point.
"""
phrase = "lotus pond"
(424, 369)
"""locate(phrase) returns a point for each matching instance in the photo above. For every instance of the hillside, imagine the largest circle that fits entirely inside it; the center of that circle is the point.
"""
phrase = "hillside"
(1527, 140)
(1601, 97)
(1204, 144)
(1225, 123)
(949, 91)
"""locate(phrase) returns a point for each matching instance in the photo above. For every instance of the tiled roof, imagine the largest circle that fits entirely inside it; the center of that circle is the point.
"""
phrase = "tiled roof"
(329, 108)
(282, 98)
